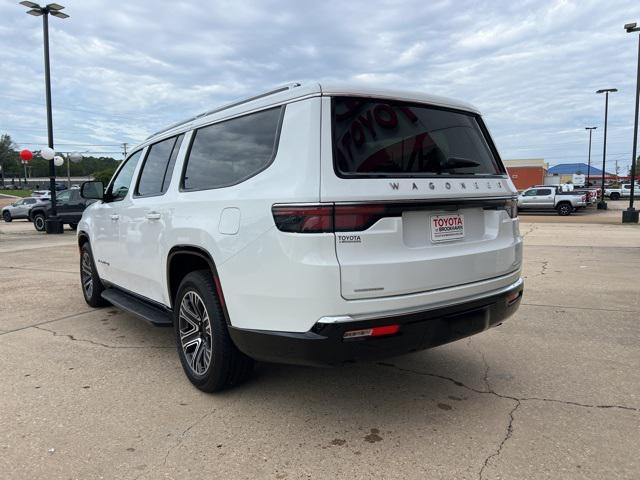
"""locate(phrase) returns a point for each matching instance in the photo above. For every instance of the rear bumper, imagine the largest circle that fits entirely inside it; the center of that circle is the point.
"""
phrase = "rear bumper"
(324, 344)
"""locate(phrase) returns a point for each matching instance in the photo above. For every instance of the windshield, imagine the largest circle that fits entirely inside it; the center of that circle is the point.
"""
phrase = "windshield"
(380, 138)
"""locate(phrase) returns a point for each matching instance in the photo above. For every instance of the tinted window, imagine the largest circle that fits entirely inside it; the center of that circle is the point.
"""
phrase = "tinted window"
(374, 138)
(158, 166)
(30, 201)
(544, 191)
(229, 152)
(122, 181)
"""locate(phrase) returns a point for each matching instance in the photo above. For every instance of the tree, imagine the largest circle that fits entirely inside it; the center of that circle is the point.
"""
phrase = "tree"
(7, 153)
(104, 175)
(637, 162)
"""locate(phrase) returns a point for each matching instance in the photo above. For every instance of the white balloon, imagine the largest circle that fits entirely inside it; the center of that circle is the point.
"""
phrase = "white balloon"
(75, 157)
(58, 161)
(47, 153)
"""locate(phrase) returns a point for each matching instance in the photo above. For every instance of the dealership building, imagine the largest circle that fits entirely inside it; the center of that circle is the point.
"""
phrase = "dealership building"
(527, 172)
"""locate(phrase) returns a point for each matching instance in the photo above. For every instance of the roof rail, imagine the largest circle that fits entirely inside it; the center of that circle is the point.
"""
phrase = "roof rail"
(282, 88)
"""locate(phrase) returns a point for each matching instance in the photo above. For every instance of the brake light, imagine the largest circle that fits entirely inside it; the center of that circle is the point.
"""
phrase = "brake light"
(327, 218)
(356, 218)
(304, 218)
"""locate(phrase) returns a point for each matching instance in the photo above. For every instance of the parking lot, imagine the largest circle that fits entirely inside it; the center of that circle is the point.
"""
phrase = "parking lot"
(553, 393)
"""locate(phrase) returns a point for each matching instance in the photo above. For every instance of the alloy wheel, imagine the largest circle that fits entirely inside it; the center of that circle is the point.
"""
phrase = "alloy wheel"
(195, 332)
(39, 223)
(86, 275)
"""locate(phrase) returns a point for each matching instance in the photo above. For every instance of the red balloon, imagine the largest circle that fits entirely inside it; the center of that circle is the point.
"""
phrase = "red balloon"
(26, 155)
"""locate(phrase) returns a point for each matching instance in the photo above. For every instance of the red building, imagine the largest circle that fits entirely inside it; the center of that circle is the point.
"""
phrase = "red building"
(526, 172)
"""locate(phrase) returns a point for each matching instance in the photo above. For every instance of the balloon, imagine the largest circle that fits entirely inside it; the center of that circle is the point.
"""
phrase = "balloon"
(75, 157)
(47, 153)
(26, 155)
(58, 161)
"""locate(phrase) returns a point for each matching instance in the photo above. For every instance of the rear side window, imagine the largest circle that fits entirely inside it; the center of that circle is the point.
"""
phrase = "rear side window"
(544, 191)
(230, 152)
(383, 138)
(158, 167)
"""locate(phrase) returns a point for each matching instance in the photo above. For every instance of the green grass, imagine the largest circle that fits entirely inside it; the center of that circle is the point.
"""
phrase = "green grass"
(17, 193)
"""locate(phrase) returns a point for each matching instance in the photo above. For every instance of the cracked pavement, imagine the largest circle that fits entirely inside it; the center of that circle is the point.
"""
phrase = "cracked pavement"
(553, 393)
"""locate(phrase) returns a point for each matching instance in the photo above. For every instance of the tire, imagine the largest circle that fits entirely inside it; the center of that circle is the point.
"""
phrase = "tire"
(40, 222)
(564, 209)
(208, 356)
(73, 226)
(614, 196)
(6, 216)
(89, 280)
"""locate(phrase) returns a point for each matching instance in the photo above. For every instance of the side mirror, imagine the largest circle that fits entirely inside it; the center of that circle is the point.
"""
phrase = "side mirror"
(92, 190)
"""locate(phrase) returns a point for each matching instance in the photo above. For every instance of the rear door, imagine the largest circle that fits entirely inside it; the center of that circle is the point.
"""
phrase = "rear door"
(421, 199)
(544, 198)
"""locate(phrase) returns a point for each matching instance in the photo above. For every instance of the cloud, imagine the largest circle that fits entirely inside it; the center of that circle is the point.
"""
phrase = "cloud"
(121, 71)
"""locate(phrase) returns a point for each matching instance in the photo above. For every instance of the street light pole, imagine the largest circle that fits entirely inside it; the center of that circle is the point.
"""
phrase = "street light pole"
(630, 215)
(602, 205)
(53, 224)
(591, 129)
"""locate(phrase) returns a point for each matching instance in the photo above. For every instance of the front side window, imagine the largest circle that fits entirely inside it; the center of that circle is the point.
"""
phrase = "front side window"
(158, 167)
(385, 138)
(64, 196)
(230, 152)
(122, 181)
(530, 193)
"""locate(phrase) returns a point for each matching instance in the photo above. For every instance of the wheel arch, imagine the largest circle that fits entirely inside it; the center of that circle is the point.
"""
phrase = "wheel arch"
(183, 259)
(83, 237)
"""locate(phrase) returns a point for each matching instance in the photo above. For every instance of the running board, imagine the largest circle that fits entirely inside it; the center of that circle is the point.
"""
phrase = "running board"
(147, 311)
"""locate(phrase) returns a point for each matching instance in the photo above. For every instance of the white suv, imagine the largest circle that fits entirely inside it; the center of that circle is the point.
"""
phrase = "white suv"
(313, 224)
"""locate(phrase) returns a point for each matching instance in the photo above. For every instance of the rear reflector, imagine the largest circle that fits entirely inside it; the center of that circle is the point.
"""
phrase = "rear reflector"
(512, 297)
(372, 332)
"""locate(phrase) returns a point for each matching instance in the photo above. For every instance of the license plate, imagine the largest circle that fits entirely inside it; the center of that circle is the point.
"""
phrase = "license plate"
(447, 227)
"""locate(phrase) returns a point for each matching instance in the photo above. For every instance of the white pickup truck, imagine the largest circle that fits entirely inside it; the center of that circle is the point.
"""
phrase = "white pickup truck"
(622, 192)
(547, 198)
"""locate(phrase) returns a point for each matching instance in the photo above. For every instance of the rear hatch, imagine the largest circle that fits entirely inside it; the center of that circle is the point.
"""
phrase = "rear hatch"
(421, 199)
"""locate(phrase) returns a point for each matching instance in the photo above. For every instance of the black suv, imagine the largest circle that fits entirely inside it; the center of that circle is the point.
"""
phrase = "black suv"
(69, 207)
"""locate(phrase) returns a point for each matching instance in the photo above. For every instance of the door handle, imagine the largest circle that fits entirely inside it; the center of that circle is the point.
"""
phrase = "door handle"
(153, 216)
(115, 217)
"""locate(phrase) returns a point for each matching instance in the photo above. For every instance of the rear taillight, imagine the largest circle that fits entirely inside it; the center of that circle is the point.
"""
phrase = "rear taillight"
(327, 218)
(304, 218)
(356, 218)
(511, 207)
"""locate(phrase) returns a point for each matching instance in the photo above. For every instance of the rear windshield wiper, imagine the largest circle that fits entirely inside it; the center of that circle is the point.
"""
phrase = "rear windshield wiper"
(458, 162)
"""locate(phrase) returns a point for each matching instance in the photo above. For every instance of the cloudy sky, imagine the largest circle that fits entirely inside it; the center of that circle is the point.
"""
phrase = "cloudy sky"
(121, 72)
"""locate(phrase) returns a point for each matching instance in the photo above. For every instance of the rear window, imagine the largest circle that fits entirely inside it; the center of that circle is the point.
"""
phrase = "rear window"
(232, 151)
(380, 138)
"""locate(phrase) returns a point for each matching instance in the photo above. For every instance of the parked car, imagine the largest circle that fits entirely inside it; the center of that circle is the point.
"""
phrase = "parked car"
(20, 208)
(550, 197)
(623, 191)
(69, 208)
(310, 225)
(60, 186)
(41, 193)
